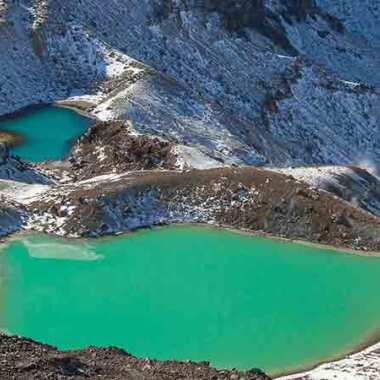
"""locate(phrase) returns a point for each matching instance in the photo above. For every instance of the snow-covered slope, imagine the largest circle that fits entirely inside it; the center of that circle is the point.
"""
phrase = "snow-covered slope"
(358, 186)
(265, 81)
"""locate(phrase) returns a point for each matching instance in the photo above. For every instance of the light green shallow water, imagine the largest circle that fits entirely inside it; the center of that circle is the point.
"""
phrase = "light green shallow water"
(48, 132)
(191, 293)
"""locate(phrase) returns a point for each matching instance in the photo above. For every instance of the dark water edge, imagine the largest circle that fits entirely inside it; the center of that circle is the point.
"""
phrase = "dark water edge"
(372, 340)
(39, 106)
(24, 111)
(26, 131)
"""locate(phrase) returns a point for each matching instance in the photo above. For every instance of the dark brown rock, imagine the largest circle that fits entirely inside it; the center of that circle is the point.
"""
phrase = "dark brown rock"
(23, 359)
(109, 147)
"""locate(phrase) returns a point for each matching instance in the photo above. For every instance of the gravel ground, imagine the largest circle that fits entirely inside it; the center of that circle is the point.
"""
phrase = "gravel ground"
(24, 359)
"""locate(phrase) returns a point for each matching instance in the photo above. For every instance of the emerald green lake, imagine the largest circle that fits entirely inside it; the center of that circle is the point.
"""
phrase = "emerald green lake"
(47, 132)
(191, 293)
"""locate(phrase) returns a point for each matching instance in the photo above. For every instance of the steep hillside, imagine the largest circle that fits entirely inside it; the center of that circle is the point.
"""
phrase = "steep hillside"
(254, 82)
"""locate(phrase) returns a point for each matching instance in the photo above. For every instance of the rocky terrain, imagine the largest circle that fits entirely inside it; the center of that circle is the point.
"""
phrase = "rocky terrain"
(192, 96)
(23, 359)
(111, 148)
(241, 198)
(115, 181)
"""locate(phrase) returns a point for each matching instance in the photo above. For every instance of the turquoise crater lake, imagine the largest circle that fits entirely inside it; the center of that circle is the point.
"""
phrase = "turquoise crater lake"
(191, 293)
(47, 132)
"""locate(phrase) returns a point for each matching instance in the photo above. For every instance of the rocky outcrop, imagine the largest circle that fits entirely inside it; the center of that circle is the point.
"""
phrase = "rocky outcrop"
(237, 16)
(111, 148)
(261, 15)
(23, 359)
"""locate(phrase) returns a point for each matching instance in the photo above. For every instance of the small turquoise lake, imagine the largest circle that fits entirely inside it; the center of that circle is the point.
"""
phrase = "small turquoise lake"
(47, 133)
(191, 293)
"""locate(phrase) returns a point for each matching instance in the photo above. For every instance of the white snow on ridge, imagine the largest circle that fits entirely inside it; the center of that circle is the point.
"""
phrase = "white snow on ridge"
(20, 192)
(190, 157)
(314, 176)
(364, 365)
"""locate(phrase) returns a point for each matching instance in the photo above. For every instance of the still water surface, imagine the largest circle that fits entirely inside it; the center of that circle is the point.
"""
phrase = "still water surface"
(191, 293)
(47, 133)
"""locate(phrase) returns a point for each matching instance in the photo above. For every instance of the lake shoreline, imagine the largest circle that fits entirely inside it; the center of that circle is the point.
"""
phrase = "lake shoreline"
(371, 341)
(80, 107)
(242, 231)
(334, 248)
(24, 111)
(44, 132)
(371, 344)
(296, 374)
(26, 356)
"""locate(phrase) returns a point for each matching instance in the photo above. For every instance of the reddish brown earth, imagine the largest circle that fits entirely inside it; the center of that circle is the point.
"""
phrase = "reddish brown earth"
(242, 198)
(110, 147)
